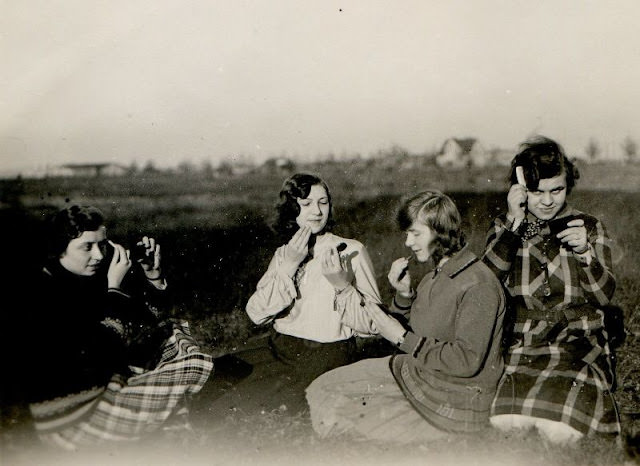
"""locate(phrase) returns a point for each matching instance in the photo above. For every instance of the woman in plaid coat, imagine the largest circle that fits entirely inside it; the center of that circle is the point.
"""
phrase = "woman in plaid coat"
(555, 263)
(111, 365)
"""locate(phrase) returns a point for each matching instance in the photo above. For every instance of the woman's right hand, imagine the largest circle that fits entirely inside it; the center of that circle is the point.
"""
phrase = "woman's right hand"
(119, 266)
(399, 277)
(516, 202)
(296, 250)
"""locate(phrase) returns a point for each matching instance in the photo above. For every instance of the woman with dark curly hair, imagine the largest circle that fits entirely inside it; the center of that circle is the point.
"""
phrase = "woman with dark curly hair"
(445, 377)
(312, 295)
(111, 362)
(555, 263)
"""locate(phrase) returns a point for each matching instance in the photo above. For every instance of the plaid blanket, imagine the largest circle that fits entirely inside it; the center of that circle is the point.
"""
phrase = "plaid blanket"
(128, 407)
(559, 363)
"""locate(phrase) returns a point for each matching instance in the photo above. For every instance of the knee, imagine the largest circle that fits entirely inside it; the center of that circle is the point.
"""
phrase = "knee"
(558, 432)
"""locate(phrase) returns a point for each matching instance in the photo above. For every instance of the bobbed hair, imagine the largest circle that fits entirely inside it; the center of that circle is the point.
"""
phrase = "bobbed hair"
(438, 212)
(68, 224)
(541, 158)
(296, 187)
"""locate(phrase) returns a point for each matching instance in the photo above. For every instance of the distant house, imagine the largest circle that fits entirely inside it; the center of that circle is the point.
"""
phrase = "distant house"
(460, 153)
(278, 164)
(89, 170)
(233, 169)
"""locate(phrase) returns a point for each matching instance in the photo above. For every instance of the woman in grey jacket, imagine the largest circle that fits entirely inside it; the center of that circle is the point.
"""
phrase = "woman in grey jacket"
(445, 377)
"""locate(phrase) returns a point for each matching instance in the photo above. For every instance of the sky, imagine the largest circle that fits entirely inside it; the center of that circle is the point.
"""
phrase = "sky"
(170, 81)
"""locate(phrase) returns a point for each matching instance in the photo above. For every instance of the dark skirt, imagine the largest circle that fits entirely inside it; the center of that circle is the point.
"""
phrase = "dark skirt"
(271, 377)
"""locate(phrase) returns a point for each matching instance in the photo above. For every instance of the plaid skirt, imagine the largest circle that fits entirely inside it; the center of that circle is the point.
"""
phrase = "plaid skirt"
(561, 372)
(128, 407)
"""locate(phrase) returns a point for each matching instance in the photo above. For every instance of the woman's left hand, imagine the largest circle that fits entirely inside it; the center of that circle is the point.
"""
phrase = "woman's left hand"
(151, 263)
(333, 270)
(575, 236)
(387, 326)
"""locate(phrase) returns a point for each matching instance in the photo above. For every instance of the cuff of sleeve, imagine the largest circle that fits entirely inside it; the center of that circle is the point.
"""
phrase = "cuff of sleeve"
(585, 257)
(117, 292)
(402, 302)
(412, 343)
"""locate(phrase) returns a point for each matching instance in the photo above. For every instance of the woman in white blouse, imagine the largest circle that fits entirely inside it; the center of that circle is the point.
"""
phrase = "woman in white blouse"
(316, 283)
(312, 294)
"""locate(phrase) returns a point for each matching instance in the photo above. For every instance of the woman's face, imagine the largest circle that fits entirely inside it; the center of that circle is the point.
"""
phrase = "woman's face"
(314, 209)
(420, 240)
(546, 201)
(84, 254)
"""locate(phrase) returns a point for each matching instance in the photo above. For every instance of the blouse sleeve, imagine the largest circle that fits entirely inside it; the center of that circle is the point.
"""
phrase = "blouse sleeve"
(274, 293)
(501, 249)
(349, 302)
(475, 326)
(595, 275)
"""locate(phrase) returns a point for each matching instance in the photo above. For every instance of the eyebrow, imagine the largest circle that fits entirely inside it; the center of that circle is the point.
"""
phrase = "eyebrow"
(552, 189)
(323, 198)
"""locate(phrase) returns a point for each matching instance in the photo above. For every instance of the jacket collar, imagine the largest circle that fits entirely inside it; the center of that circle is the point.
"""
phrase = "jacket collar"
(458, 262)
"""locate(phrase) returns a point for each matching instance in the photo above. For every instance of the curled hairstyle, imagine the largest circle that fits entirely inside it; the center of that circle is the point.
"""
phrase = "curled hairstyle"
(296, 187)
(541, 158)
(438, 212)
(70, 223)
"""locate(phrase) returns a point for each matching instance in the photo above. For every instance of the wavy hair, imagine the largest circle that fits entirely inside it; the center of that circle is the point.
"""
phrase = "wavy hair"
(541, 158)
(296, 187)
(438, 212)
(70, 223)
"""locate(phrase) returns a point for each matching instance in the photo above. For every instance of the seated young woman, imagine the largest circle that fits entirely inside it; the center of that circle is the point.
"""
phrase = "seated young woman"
(555, 262)
(111, 362)
(311, 297)
(444, 377)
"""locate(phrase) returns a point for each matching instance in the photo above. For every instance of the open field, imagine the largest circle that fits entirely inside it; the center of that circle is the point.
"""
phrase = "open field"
(216, 244)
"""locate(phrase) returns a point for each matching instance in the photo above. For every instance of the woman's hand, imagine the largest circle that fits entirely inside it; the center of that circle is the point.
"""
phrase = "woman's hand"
(388, 327)
(119, 266)
(575, 236)
(516, 203)
(399, 277)
(150, 263)
(296, 250)
(333, 270)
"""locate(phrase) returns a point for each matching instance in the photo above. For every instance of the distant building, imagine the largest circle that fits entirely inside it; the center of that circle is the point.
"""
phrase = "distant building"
(233, 169)
(89, 170)
(460, 153)
(278, 164)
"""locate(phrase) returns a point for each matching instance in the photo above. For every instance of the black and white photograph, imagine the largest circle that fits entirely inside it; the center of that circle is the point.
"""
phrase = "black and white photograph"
(363, 232)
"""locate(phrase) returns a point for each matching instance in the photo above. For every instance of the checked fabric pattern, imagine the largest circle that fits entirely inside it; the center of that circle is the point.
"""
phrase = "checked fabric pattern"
(558, 362)
(128, 407)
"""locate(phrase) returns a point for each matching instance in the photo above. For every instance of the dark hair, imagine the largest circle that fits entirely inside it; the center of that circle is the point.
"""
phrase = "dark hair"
(541, 158)
(296, 187)
(438, 212)
(70, 223)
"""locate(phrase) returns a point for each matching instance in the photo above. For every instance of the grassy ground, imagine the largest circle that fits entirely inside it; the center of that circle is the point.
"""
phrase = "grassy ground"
(216, 244)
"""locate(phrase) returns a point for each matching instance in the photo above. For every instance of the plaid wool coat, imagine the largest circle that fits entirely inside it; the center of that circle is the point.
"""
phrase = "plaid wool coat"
(558, 360)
